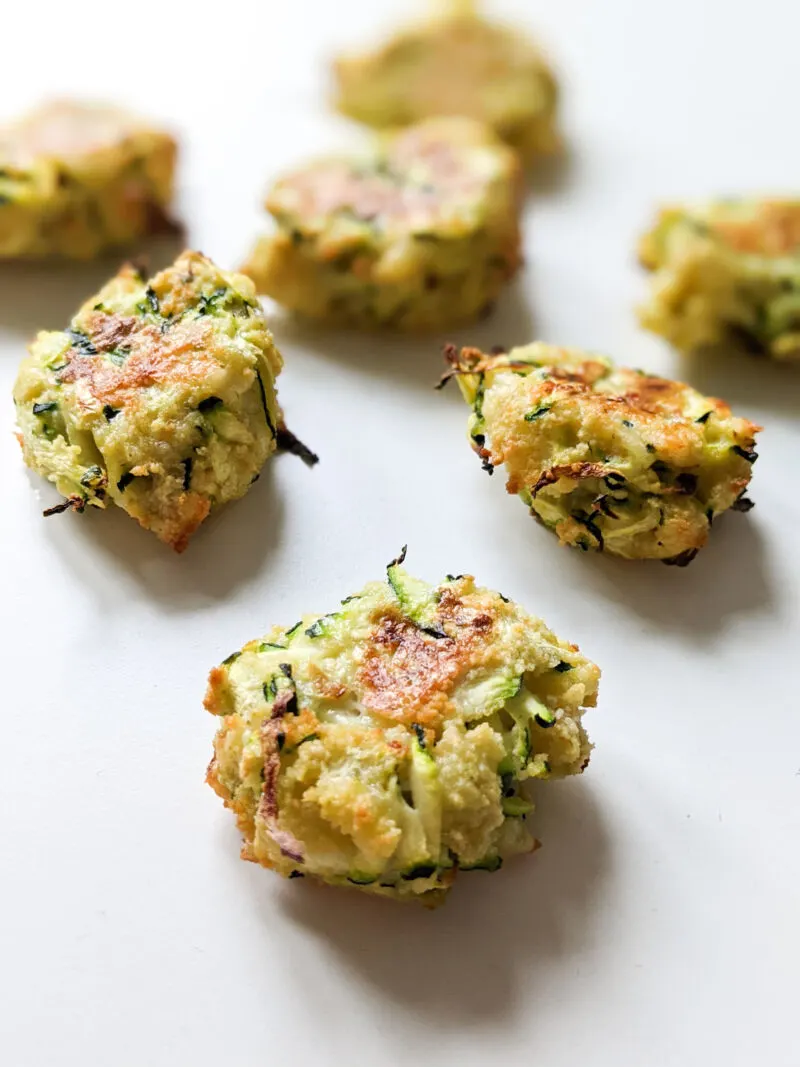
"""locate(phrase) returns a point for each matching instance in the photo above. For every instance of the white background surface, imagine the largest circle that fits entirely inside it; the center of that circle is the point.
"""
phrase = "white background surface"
(658, 925)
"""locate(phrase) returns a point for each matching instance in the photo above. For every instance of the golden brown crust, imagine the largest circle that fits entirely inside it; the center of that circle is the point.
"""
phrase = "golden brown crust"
(773, 230)
(69, 131)
(190, 511)
(406, 673)
(181, 357)
(408, 670)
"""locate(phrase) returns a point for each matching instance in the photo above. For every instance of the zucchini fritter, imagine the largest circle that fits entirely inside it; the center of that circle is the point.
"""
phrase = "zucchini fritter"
(79, 179)
(455, 64)
(609, 459)
(383, 746)
(726, 273)
(419, 233)
(158, 397)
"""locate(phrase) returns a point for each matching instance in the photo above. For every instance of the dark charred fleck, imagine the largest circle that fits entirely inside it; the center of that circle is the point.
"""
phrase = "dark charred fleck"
(422, 870)
(125, 481)
(628, 423)
(602, 504)
(399, 560)
(110, 413)
(152, 300)
(705, 417)
(687, 483)
(749, 454)
(683, 559)
(81, 342)
(287, 442)
(187, 472)
(72, 503)
(743, 503)
(592, 527)
(562, 666)
(261, 389)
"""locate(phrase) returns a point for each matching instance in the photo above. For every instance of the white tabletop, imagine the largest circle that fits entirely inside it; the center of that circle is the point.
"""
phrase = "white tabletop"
(658, 926)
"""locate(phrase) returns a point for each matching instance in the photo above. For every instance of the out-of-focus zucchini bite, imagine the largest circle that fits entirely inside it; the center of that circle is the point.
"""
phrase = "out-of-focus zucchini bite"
(79, 179)
(726, 273)
(456, 63)
(419, 233)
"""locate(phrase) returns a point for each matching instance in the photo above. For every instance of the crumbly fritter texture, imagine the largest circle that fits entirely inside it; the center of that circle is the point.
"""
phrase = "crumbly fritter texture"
(726, 274)
(79, 179)
(419, 233)
(159, 397)
(383, 746)
(609, 459)
(458, 64)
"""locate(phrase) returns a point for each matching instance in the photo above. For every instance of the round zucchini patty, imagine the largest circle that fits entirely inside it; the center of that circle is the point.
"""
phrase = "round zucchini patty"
(457, 64)
(609, 459)
(159, 397)
(79, 179)
(418, 233)
(726, 273)
(383, 745)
